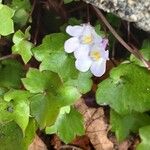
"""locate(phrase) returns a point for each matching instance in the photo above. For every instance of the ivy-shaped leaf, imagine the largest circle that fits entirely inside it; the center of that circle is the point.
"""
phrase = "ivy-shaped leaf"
(11, 72)
(67, 126)
(55, 59)
(6, 22)
(22, 46)
(17, 107)
(145, 136)
(122, 125)
(60, 63)
(40, 82)
(50, 95)
(22, 11)
(52, 42)
(126, 90)
(11, 137)
(30, 133)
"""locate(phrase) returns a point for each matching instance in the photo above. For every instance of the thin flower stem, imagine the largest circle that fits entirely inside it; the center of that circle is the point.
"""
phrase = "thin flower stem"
(134, 51)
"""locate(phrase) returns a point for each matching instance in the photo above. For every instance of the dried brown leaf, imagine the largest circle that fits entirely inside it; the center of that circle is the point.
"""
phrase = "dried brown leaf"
(95, 125)
(37, 144)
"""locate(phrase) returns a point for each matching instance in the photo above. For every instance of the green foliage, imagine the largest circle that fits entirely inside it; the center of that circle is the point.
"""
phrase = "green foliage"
(22, 11)
(145, 51)
(22, 45)
(12, 138)
(126, 90)
(122, 125)
(51, 53)
(50, 92)
(6, 25)
(15, 106)
(46, 81)
(67, 126)
(113, 20)
(98, 30)
(11, 72)
(45, 97)
(52, 42)
(145, 136)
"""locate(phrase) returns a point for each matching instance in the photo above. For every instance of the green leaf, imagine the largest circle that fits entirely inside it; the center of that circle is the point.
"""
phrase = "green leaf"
(98, 30)
(68, 95)
(145, 136)
(122, 125)
(52, 42)
(126, 90)
(5, 111)
(114, 20)
(22, 46)
(24, 49)
(64, 65)
(10, 136)
(18, 37)
(50, 95)
(60, 63)
(82, 82)
(55, 59)
(146, 44)
(145, 51)
(29, 133)
(45, 109)
(45, 80)
(11, 72)
(19, 110)
(6, 25)
(64, 128)
(22, 11)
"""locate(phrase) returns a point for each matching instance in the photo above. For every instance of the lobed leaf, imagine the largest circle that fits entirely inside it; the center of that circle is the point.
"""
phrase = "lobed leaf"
(145, 136)
(67, 126)
(122, 125)
(126, 90)
(6, 25)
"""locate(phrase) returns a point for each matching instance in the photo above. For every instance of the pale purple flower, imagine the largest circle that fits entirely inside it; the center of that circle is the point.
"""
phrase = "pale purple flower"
(88, 47)
(83, 36)
(95, 60)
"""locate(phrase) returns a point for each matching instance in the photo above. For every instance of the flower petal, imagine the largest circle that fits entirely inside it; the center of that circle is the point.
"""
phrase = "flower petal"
(83, 65)
(97, 38)
(82, 51)
(98, 68)
(107, 55)
(74, 30)
(87, 29)
(71, 45)
(104, 54)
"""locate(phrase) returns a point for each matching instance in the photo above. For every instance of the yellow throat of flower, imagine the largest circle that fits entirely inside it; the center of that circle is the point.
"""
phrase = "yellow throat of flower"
(95, 55)
(87, 39)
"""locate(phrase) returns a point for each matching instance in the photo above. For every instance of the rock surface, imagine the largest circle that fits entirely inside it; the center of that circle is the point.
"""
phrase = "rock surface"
(137, 11)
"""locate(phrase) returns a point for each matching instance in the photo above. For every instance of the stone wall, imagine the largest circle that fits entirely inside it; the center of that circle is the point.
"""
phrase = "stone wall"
(137, 11)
